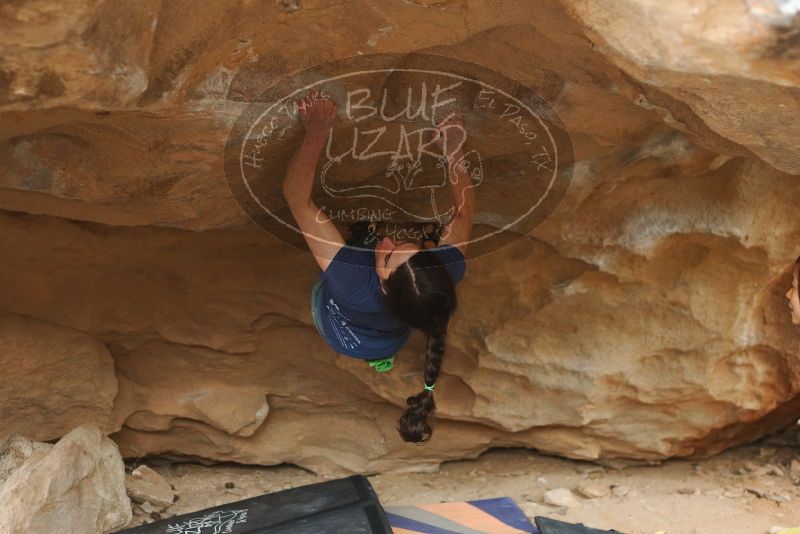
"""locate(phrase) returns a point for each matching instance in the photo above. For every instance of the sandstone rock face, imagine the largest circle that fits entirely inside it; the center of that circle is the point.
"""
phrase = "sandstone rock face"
(77, 485)
(725, 66)
(644, 319)
(54, 378)
(15, 451)
(146, 485)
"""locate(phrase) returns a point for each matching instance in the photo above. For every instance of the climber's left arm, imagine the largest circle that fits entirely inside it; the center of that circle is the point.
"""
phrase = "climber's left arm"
(457, 231)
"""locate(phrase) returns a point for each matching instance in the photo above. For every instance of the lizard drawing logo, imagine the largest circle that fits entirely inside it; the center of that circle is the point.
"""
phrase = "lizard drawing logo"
(217, 522)
(422, 173)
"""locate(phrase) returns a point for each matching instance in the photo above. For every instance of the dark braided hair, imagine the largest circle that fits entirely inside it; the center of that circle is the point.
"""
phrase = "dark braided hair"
(421, 293)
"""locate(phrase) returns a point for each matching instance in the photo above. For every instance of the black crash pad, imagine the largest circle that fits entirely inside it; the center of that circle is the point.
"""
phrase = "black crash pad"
(346, 505)
(551, 526)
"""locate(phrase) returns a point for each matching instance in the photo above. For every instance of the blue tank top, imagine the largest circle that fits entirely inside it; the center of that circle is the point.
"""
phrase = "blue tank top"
(356, 320)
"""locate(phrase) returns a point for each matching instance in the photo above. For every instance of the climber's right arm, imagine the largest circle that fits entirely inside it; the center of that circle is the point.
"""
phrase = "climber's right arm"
(322, 236)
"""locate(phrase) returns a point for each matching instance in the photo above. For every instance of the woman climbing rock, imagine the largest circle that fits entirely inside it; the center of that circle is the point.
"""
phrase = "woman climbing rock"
(373, 291)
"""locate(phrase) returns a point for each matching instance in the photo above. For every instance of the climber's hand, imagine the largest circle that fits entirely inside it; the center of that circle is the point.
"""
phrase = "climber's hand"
(317, 113)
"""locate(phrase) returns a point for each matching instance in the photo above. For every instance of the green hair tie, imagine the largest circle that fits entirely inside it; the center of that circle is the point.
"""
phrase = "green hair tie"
(429, 388)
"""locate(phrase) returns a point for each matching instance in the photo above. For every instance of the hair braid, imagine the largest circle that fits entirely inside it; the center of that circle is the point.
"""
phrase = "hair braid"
(422, 294)
(414, 425)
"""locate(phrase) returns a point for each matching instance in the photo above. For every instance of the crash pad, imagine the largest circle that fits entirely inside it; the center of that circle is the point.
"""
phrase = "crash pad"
(346, 505)
(488, 516)
(553, 526)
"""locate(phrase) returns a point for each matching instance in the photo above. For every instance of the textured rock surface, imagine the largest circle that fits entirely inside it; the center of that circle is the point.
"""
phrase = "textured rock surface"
(54, 378)
(717, 69)
(146, 485)
(561, 497)
(644, 319)
(15, 451)
(77, 485)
